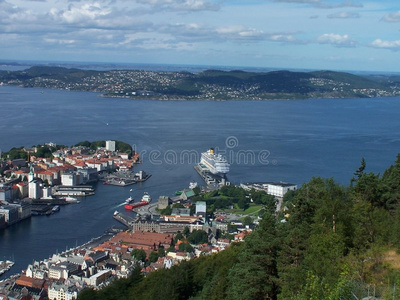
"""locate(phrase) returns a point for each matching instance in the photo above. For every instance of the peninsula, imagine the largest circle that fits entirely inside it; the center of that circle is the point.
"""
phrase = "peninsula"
(207, 85)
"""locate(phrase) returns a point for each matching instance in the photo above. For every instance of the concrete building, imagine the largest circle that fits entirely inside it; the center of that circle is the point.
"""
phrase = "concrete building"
(88, 175)
(201, 208)
(68, 179)
(5, 193)
(110, 146)
(35, 191)
(280, 189)
(62, 270)
(163, 202)
(10, 213)
(277, 189)
(24, 210)
(59, 291)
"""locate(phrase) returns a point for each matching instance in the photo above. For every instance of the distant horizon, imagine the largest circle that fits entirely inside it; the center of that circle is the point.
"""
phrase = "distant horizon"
(200, 67)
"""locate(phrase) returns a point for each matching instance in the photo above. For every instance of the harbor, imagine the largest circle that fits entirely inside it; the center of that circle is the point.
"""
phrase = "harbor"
(213, 169)
(125, 178)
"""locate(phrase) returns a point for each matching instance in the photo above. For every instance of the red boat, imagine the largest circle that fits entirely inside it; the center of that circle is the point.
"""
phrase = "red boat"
(144, 201)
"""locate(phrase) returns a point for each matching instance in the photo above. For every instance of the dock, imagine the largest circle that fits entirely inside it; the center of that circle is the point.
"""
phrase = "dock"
(124, 219)
(210, 179)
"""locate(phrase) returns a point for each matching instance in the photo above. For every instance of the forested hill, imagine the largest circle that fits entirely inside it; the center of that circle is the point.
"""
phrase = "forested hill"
(207, 85)
(331, 242)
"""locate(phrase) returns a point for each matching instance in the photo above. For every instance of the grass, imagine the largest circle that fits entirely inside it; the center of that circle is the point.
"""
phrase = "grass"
(253, 209)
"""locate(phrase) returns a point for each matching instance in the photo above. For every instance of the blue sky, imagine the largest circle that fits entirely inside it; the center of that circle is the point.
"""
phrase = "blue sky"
(308, 34)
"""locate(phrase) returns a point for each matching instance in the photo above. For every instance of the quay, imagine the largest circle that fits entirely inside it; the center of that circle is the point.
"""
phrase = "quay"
(126, 220)
(76, 190)
(213, 181)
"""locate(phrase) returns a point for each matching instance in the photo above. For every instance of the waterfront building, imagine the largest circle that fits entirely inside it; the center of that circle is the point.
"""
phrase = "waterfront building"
(68, 179)
(10, 213)
(110, 146)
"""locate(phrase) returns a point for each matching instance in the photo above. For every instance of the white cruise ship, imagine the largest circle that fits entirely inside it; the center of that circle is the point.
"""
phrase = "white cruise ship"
(215, 163)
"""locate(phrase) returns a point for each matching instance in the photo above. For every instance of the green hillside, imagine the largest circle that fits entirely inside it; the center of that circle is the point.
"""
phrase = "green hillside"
(331, 242)
(207, 85)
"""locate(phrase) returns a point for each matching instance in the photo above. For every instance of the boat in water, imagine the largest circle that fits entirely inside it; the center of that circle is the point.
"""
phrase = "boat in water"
(129, 202)
(71, 199)
(5, 266)
(146, 199)
(215, 163)
(55, 208)
(192, 185)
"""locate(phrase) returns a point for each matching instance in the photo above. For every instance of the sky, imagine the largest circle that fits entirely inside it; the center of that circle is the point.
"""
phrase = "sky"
(285, 34)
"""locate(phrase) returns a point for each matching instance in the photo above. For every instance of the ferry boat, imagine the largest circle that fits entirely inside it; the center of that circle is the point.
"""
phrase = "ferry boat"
(215, 163)
(146, 199)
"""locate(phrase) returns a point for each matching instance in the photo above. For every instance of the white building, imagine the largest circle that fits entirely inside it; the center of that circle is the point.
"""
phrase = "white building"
(68, 179)
(201, 208)
(60, 291)
(277, 189)
(280, 189)
(110, 146)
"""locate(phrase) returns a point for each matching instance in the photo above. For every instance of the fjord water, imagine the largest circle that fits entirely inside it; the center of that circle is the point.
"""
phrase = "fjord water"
(296, 140)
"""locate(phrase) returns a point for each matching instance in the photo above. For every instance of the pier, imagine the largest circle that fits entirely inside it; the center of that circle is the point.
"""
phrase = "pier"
(126, 220)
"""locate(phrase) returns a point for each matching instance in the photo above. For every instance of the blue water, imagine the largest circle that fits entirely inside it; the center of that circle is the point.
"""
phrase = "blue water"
(299, 139)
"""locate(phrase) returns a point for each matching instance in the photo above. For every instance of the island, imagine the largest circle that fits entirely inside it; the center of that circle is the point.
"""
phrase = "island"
(207, 85)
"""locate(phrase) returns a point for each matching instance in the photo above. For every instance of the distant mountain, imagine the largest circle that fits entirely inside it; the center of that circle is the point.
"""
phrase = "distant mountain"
(207, 85)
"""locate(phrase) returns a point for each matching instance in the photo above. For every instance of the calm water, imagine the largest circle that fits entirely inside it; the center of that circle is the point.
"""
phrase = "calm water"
(299, 139)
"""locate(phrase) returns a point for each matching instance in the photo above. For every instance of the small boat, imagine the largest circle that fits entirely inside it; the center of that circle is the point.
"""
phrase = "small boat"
(71, 199)
(129, 200)
(55, 209)
(116, 212)
(192, 185)
(128, 203)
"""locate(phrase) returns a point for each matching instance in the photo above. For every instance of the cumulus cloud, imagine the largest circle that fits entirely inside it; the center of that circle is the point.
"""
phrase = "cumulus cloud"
(393, 45)
(392, 17)
(344, 15)
(336, 40)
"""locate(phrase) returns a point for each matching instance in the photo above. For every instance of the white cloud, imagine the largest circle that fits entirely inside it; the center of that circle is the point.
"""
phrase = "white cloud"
(392, 17)
(336, 39)
(393, 45)
(181, 5)
(344, 15)
(346, 3)
(81, 14)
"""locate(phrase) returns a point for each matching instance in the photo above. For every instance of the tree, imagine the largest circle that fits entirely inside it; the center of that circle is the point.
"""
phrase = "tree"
(153, 257)
(255, 276)
(185, 247)
(198, 237)
(186, 231)
(139, 254)
(161, 252)
(247, 220)
(359, 172)
(242, 204)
